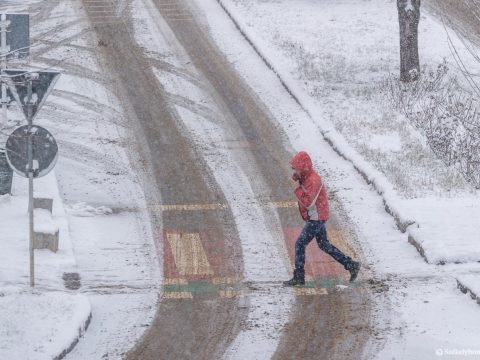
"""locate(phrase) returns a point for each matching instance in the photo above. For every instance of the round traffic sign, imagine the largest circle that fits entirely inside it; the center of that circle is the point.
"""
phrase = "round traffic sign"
(44, 151)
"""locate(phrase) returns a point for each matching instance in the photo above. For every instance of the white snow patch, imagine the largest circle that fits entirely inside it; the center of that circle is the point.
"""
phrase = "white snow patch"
(36, 324)
(40, 325)
(14, 223)
(257, 341)
(430, 318)
(44, 222)
(445, 227)
(385, 142)
(85, 210)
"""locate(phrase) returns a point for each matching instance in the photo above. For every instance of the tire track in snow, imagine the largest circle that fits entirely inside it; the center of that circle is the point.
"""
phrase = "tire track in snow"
(50, 45)
(261, 331)
(176, 174)
(309, 334)
(237, 173)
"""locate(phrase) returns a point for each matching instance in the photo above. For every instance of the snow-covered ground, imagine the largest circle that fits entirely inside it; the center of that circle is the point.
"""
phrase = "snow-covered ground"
(49, 266)
(334, 61)
(105, 235)
(41, 325)
(48, 317)
(332, 56)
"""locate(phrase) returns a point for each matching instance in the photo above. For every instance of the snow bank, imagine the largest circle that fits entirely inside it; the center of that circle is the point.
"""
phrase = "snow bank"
(470, 284)
(446, 228)
(44, 222)
(14, 256)
(431, 324)
(41, 325)
(37, 324)
(85, 210)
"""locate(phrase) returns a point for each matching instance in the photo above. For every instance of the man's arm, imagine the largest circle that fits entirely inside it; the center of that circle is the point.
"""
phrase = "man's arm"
(307, 193)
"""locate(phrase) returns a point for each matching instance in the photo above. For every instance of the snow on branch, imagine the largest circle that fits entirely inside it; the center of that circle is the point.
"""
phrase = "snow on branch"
(447, 114)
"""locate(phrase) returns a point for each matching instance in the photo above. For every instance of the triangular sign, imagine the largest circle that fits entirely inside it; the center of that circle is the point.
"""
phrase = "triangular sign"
(42, 84)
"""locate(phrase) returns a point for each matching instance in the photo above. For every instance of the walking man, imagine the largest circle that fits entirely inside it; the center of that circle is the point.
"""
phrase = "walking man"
(313, 205)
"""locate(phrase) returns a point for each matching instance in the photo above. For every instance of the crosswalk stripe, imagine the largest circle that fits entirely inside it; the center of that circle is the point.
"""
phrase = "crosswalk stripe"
(224, 280)
(176, 295)
(175, 281)
(310, 291)
(189, 255)
(229, 294)
(191, 207)
(226, 287)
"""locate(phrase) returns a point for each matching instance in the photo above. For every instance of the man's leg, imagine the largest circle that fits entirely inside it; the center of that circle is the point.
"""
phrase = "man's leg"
(322, 240)
(325, 245)
(303, 240)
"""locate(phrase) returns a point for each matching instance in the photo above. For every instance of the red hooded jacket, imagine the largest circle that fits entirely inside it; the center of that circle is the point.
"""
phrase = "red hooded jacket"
(312, 193)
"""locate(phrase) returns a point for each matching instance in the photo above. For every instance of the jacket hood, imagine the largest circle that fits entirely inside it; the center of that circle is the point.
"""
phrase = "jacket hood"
(302, 162)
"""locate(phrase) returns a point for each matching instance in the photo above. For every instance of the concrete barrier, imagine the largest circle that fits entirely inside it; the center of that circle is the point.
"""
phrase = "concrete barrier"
(46, 241)
(46, 231)
(43, 203)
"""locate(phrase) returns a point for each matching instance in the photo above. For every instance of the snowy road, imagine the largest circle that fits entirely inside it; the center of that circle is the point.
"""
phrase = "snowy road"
(177, 177)
(175, 135)
(176, 125)
(207, 140)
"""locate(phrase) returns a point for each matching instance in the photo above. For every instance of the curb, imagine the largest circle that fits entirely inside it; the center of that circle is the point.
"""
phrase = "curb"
(81, 331)
(464, 289)
(418, 247)
(402, 226)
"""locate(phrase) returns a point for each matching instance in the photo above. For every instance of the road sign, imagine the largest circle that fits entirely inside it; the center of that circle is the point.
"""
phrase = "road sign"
(42, 84)
(44, 151)
(15, 30)
(30, 150)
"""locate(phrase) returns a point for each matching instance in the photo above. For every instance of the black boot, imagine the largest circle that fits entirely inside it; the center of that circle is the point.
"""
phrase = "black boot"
(354, 268)
(297, 280)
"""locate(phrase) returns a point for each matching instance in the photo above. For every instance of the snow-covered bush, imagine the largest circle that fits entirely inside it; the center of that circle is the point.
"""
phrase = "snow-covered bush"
(447, 115)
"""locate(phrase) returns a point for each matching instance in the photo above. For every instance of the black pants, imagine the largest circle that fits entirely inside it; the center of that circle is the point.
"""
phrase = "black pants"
(316, 229)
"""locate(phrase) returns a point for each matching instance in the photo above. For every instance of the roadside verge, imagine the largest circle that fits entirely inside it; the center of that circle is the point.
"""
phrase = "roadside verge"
(48, 320)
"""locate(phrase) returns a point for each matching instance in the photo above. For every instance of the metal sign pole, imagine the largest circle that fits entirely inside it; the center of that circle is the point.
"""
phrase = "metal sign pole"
(5, 172)
(4, 49)
(30, 184)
